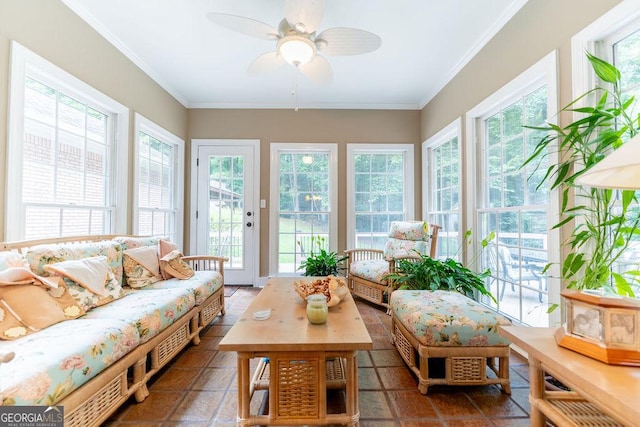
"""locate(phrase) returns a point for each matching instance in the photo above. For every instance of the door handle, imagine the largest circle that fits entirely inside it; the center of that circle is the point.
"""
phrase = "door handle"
(249, 224)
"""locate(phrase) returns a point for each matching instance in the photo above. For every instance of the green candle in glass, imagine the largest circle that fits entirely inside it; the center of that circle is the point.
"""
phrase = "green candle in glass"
(317, 309)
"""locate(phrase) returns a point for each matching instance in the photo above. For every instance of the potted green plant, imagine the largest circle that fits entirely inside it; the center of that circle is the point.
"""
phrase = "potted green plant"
(321, 262)
(604, 223)
(426, 273)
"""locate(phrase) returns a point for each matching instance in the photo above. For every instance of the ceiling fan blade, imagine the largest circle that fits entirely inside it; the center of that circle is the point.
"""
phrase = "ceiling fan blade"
(318, 70)
(244, 25)
(265, 63)
(304, 15)
(347, 41)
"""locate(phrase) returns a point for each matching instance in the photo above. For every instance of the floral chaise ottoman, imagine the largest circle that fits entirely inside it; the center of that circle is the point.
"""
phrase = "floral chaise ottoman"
(452, 327)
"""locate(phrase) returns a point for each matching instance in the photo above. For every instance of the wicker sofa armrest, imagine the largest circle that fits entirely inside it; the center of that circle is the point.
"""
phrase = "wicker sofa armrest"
(206, 262)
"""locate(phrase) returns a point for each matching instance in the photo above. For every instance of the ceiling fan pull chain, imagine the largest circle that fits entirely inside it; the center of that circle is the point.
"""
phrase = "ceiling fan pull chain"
(294, 90)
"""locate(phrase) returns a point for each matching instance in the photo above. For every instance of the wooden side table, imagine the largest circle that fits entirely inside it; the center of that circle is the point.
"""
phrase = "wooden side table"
(602, 395)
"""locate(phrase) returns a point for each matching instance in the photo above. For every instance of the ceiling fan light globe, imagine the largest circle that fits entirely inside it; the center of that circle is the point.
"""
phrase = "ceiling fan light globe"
(296, 50)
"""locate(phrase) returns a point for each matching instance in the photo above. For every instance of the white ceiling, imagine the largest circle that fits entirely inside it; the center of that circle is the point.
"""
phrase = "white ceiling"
(424, 44)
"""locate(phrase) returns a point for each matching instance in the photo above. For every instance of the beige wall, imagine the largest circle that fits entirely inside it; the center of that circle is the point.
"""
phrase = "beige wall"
(54, 32)
(307, 126)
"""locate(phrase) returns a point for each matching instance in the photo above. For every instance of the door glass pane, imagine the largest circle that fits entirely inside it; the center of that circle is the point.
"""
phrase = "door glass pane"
(226, 209)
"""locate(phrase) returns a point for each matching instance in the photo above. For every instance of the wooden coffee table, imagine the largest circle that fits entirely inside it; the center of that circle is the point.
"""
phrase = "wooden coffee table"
(299, 360)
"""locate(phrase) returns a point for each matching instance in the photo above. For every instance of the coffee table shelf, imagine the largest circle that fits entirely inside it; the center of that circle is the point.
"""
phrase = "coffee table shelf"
(335, 374)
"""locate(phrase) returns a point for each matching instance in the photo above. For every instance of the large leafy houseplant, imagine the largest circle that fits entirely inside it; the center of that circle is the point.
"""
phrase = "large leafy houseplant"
(321, 262)
(425, 273)
(605, 220)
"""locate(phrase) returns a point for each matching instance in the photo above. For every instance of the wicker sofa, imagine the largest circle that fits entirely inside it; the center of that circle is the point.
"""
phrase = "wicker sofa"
(95, 362)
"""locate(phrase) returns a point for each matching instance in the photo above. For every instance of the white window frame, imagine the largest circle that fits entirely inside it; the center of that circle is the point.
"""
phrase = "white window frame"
(452, 130)
(408, 152)
(142, 124)
(597, 38)
(274, 191)
(25, 62)
(608, 24)
(543, 72)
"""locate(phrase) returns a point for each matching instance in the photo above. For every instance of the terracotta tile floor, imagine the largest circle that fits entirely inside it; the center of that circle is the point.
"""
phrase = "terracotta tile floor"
(198, 388)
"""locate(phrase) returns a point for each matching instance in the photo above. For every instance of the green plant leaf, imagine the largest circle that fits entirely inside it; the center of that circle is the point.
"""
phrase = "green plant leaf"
(604, 70)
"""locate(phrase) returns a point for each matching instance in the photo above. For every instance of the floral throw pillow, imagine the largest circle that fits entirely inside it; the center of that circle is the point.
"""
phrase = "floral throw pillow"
(164, 248)
(173, 266)
(141, 266)
(25, 309)
(85, 293)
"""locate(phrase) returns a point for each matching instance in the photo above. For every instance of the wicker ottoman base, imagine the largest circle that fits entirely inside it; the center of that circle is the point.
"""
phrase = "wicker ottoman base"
(463, 365)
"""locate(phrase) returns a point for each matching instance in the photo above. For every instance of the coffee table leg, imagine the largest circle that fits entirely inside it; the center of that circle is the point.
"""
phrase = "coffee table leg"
(352, 388)
(536, 392)
(244, 396)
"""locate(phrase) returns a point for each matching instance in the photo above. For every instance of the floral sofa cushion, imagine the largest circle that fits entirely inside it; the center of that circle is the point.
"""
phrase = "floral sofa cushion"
(446, 318)
(50, 364)
(150, 311)
(373, 270)
(39, 256)
(203, 284)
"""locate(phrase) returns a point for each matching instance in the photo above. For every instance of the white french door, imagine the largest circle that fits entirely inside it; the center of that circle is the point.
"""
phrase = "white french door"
(226, 210)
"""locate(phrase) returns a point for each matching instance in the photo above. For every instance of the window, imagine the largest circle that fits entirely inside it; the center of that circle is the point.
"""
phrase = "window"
(379, 191)
(441, 166)
(621, 49)
(63, 157)
(509, 201)
(159, 175)
(304, 184)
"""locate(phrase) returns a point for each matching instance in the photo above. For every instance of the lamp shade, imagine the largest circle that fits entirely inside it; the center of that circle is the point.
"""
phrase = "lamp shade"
(619, 170)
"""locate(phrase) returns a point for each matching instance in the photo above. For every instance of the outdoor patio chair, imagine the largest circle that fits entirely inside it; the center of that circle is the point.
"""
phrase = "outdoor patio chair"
(505, 269)
(367, 268)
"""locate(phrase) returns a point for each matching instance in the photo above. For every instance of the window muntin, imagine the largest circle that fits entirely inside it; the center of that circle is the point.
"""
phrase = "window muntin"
(66, 154)
(66, 164)
(515, 207)
(444, 204)
(622, 49)
(159, 159)
(379, 196)
(305, 189)
(379, 191)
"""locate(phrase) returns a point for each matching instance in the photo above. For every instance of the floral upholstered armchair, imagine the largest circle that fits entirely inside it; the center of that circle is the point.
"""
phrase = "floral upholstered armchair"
(367, 268)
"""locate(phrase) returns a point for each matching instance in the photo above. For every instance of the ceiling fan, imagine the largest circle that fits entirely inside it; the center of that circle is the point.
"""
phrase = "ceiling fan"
(297, 41)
